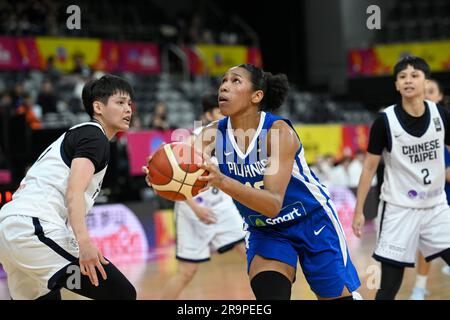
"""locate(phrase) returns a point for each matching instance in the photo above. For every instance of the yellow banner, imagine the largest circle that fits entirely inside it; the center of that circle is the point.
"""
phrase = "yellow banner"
(319, 140)
(64, 50)
(436, 53)
(219, 59)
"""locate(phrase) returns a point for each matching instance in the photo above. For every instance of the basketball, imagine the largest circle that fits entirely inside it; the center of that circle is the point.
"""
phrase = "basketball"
(173, 171)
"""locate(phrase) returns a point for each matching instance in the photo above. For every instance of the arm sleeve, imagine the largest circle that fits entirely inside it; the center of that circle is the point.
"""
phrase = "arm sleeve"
(88, 142)
(378, 139)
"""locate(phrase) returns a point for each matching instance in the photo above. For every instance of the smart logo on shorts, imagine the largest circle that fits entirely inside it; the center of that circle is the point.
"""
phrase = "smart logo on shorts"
(288, 213)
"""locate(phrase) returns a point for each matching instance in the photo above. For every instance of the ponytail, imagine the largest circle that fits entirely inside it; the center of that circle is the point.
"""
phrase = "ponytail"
(275, 87)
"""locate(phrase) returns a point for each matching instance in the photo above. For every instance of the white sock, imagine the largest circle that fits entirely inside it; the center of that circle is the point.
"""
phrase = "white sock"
(421, 281)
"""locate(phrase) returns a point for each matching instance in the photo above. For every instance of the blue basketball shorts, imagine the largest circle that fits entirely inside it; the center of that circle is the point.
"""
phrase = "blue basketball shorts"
(318, 241)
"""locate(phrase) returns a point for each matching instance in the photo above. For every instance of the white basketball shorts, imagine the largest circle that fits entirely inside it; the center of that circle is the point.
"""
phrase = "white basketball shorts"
(402, 231)
(196, 240)
(31, 252)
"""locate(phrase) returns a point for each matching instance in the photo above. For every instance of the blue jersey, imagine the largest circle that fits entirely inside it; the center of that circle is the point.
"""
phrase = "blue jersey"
(304, 193)
(447, 164)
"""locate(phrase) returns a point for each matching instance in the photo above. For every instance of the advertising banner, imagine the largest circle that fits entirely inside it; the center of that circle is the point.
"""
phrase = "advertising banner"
(9, 55)
(29, 54)
(344, 201)
(141, 144)
(354, 138)
(319, 140)
(64, 50)
(117, 233)
(109, 59)
(139, 57)
(219, 59)
(380, 60)
(254, 56)
(164, 228)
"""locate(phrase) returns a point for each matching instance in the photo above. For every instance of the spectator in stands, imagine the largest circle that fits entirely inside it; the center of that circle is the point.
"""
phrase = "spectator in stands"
(158, 119)
(28, 109)
(47, 98)
(6, 103)
(17, 94)
(355, 169)
(324, 167)
(320, 168)
(340, 175)
(135, 123)
(80, 66)
(51, 71)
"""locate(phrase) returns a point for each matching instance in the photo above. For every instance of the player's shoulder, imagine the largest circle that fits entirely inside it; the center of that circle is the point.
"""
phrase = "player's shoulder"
(286, 134)
(281, 124)
(88, 129)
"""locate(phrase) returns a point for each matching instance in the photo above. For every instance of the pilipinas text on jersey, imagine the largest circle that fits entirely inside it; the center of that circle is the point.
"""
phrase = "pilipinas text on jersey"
(304, 193)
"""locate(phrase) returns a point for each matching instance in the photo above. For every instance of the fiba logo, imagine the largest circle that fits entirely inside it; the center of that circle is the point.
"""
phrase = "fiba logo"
(74, 20)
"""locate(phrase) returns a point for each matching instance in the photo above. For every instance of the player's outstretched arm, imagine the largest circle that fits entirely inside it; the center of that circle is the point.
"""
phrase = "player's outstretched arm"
(365, 181)
(267, 201)
(81, 172)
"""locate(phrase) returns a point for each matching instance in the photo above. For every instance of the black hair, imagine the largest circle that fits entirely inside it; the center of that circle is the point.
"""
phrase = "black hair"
(210, 101)
(275, 87)
(415, 62)
(103, 88)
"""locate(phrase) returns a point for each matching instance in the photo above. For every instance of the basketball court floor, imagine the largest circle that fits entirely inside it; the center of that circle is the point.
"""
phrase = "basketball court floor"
(224, 277)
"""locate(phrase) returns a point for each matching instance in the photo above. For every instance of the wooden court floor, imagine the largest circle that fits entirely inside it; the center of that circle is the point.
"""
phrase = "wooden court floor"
(224, 277)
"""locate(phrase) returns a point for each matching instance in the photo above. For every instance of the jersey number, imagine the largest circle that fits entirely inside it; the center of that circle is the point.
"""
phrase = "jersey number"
(425, 178)
(256, 185)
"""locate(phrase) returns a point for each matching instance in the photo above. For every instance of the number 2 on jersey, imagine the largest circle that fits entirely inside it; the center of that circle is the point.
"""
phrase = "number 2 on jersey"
(425, 178)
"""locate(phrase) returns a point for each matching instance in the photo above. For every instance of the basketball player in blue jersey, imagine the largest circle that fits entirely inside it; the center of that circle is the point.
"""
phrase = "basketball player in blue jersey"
(44, 240)
(413, 214)
(288, 213)
(206, 224)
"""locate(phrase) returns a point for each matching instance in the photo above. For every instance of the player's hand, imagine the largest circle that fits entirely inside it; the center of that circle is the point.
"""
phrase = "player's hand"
(358, 223)
(90, 260)
(215, 178)
(205, 215)
(145, 170)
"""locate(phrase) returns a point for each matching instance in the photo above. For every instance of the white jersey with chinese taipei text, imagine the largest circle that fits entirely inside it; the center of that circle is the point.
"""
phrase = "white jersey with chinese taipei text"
(414, 175)
(41, 193)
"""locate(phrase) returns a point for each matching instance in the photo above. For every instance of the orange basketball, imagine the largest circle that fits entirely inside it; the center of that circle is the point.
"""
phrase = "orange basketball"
(174, 169)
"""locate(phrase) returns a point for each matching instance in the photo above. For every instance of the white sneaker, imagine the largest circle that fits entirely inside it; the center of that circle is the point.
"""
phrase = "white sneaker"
(446, 270)
(419, 294)
(357, 296)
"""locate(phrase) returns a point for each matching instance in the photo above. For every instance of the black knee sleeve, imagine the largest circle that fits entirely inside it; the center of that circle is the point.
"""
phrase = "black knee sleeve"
(345, 298)
(52, 295)
(115, 287)
(391, 279)
(446, 256)
(271, 285)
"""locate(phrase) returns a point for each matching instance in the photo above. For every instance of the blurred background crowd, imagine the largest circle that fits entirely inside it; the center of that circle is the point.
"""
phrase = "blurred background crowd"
(173, 53)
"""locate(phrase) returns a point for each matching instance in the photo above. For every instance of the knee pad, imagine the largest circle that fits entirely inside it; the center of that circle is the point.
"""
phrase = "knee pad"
(52, 295)
(271, 285)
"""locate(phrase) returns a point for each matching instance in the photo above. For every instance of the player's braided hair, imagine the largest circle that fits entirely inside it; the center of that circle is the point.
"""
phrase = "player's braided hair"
(101, 89)
(275, 87)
